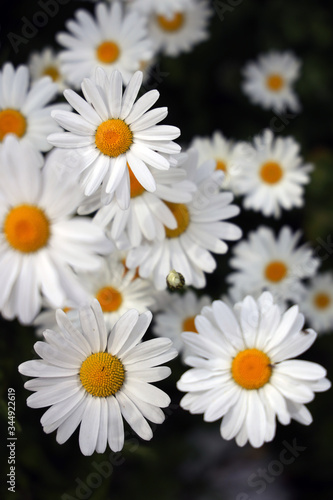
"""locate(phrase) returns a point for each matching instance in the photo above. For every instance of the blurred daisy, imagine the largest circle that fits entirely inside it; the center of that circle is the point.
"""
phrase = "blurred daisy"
(317, 305)
(271, 174)
(111, 39)
(201, 229)
(95, 377)
(113, 133)
(46, 63)
(163, 7)
(269, 81)
(178, 316)
(24, 111)
(42, 243)
(266, 262)
(177, 32)
(243, 371)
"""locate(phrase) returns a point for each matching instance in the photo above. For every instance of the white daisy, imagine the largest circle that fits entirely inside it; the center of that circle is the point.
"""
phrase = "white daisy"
(269, 81)
(266, 262)
(178, 316)
(46, 63)
(24, 110)
(177, 32)
(112, 39)
(112, 132)
(201, 229)
(163, 7)
(222, 151)
(41, 242)
(243, 371)
(270, 174)
(95, 377)
(317, 305)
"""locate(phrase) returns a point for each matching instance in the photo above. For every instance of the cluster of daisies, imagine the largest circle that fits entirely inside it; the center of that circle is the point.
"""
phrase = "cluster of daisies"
(98, 203)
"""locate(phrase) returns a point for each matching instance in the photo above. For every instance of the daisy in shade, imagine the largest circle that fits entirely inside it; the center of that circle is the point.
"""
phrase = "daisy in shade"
(222, 151)
(267, 262)
(24, 110)
(317, 305)
(178, 316)
(269, 81)
(178, 31)
(111, 39)
(271, 174)
(41, 242)
(46, 63)
(93, 377)
(243, 370)
(201, 229)
(113, 134)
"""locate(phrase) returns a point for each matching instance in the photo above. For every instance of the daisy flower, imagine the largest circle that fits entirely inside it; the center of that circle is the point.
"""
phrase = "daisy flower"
(41, 242)
(269, 81)
(317, 305)
(112, 39)
(201, 229)
(177, 32)
(46, 63)
(113, 134)
(24, 111)
(94, 377)
(271, 174)
(243, 371)
(267, 262)
(178, 316)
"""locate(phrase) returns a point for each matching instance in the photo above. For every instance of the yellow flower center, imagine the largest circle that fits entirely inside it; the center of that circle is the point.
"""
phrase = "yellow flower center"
(275, 271)
(107, 52)
(189, 325)
(12, 122)
(322, 300)
(221, 165)
(251, 369)
(113, 137)
(173, 23)
(271, 172)
(109, 298)
(274, 82)
(136, 188)
(53, 72)
(182, 217)
(27, 228)
(102, 374)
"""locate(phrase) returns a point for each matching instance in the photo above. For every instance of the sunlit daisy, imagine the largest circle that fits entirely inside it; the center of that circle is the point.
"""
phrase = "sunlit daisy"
(177, 32)
(267, 262)
(269, 81)
(41, 242)
(25, 111)
(178, 316)
(317, 305)
(201, 229)
(243, 371)
(114, 134)
(112, 39)
(93, 377)
(46, 63)
(271, 174)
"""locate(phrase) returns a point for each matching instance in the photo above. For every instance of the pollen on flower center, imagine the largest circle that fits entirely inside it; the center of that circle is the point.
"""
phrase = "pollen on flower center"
(275, 271)
(53, 72)
(322, 300)
(182, 217)
(107, 52)
(271, 172)
(109, 298)
(12, 122)
(136, 188)
(26, 228)
(274, 82)
(221, 165)
(113, 137)
(173, 23)
(102, 374)
(251, 369)
(189, 325)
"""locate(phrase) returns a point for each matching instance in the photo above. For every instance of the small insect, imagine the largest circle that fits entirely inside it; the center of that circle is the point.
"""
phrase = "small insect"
(175, 280)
